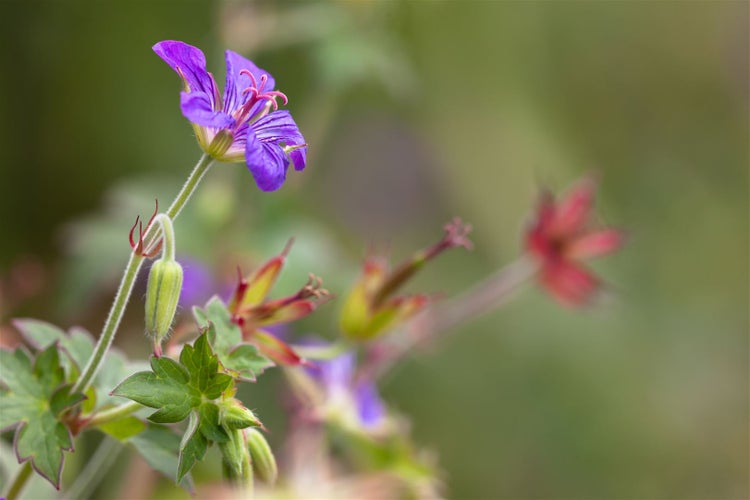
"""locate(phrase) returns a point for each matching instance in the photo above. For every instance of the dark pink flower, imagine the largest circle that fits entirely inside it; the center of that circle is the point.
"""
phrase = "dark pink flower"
(562, 236)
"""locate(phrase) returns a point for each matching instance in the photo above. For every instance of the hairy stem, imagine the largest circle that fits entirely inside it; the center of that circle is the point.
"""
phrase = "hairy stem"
(128, 279)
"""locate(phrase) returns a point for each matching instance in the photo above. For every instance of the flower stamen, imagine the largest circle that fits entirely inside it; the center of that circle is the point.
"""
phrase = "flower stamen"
(258, 94)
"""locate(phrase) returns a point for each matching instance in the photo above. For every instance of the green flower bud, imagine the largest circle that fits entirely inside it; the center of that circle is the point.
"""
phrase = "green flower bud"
(235, 460)
(235, 416)
(162, 295)
(264, 463)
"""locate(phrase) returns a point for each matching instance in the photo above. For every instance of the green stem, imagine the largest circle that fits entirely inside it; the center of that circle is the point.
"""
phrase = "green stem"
(111, 324)
(87, 479)
(128, 279)
(112, 414)
(19, 481)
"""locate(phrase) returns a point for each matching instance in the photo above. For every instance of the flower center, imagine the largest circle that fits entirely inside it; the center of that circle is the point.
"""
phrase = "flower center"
(257, 93)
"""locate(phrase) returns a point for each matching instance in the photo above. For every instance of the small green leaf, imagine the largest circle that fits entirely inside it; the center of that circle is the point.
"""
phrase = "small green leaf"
(165, 388)
(181, 389)
(117, 369)
(33, 398)
(78, 344)
(227, 334)
(123, 429)
(209, 423)
(192, 447)
(246, 362)
(160, 447)
(242, 361)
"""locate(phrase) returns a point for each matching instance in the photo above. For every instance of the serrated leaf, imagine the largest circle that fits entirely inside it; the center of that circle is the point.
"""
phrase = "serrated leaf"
(227, 334)
(78, 344)
(246, 362)
(116, 369)
(32, 400)
(180, 390)
(160, 447)
(192, 447)
(241, 360)
(165, 388)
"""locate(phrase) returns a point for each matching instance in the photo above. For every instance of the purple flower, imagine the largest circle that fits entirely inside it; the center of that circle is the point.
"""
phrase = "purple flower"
(198, 283)
(337, 376)
(246, 124)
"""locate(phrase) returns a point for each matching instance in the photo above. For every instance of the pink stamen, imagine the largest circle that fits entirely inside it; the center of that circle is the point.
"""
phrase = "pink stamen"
(257, 93)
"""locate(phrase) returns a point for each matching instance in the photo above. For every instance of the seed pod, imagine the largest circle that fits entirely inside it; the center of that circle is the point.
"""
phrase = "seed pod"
(264, 463)
(162, 295)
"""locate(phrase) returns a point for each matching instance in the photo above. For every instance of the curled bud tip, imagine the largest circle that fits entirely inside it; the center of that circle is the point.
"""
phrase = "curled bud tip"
(457, 234)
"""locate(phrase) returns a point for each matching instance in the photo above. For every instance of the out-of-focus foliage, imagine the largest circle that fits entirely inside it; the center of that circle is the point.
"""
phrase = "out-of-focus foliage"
(416, 111)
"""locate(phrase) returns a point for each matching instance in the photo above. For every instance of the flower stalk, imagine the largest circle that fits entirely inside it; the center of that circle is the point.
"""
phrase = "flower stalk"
(488, 295)
(128, 278)
(19, 481)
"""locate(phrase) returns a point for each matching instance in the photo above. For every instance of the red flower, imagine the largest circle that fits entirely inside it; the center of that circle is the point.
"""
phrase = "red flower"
(562, 236)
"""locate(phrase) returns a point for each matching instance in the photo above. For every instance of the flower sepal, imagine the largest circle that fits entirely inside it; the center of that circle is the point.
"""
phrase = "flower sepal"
(372, 308)
(254, 314)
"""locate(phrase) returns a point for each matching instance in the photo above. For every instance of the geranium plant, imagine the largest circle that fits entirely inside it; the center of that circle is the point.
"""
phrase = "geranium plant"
(182, 401)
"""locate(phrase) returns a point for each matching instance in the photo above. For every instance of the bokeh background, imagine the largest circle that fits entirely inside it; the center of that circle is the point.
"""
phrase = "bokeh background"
(415, 112)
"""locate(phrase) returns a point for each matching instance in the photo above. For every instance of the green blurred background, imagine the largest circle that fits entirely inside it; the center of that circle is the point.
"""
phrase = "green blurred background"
(417, 111)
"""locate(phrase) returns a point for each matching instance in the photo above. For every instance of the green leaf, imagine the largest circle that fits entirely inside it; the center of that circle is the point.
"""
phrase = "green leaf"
(160, 447)
(33, 399)
(165, 388)
(246, 362)
(192, 447)
(116, 369)
(209, 423)
(240, 360)
(124, 428)
(181, 389)
(203, 365)
(78, 345)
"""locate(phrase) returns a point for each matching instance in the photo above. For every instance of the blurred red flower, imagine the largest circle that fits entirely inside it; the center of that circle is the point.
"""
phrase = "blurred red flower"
(562, 236)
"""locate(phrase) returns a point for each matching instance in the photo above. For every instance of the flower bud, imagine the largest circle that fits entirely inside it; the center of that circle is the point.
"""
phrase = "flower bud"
(235, 460)
(235, 416)
(162, 295)
(264, 463)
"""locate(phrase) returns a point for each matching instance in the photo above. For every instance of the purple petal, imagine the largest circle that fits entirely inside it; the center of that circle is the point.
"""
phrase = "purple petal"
(264, 151)
(369, 404)
(198, 283)
(299, 158)
(190, 63)
(198, 108)
(236, 83)
(336, 374)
